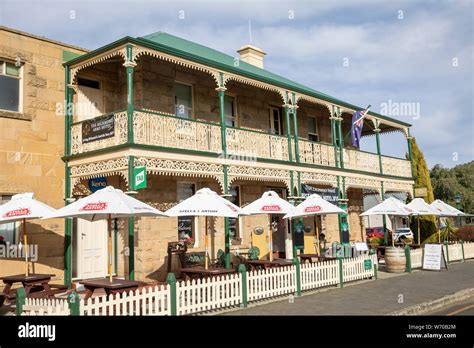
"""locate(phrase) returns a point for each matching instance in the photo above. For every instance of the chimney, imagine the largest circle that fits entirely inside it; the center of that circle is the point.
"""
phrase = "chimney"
(252, 55)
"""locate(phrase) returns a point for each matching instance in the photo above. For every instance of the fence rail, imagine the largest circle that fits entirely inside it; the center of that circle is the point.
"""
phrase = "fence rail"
(453, 252)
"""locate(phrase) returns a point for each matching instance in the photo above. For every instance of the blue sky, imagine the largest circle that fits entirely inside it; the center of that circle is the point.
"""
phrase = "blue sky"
(364, 52)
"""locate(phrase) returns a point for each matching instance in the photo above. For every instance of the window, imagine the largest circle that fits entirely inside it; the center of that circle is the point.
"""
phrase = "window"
(8, 231)
(234, 223)
(313, 129)
(276, 121)
(230, 111)
(183, 100)
(88, 83)
(186, 225)
(9, 86)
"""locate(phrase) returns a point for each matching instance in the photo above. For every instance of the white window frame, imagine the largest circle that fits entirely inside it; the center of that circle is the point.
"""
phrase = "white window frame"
(192, 98)
(20, 78)
(317, 128)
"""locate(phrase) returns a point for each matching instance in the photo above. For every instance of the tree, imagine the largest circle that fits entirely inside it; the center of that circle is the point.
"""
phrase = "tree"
(422, 180)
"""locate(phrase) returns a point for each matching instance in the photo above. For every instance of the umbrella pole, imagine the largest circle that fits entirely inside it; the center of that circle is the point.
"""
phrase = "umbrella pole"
(206, 243)
(270, 238)
(418, 220)
(393, 231)
(316, 228)
(25, 241)
(439, 231)
(109, 256)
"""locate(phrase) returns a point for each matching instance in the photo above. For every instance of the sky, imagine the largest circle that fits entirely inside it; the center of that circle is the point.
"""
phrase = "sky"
(411, 60)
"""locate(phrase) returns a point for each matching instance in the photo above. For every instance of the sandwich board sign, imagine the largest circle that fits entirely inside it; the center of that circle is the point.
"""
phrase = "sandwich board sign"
(433, 257)
(139, 178)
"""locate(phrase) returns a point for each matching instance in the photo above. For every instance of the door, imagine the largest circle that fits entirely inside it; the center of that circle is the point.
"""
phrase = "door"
(280, 228)
(276, 121)
(89, 102)
(92, 251)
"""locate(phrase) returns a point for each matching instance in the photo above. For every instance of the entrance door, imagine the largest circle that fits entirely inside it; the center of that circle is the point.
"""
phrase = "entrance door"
(92, 249)
(280, 228)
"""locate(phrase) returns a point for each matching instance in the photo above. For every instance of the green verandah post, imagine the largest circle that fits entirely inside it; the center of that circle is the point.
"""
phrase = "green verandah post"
(171, 280)
(129, 65)
(20, 300)
(333, 136)
(243, 271)
(131, 222)
(408, 259)
(74, 302)
(67, 232)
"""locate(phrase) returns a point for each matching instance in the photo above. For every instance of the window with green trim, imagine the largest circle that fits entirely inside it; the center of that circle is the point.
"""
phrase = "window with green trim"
(9, 86)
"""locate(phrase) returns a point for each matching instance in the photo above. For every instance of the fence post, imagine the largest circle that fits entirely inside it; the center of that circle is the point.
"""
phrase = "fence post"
(296, 262)
(243, 272)
(408, 259)
(447, 252)
(171, 280)
(375, 270)
(74, 302)
(341, 273)
(20, 300)
(462, 250)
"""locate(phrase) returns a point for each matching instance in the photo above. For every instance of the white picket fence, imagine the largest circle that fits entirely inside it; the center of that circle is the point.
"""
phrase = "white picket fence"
(318, 275)
(454, 252)
(271, 282)
(469, 250)
(204, 295)
(43, 306)
(416, 257)
(355, 268)
(145, 301)
(201, 295)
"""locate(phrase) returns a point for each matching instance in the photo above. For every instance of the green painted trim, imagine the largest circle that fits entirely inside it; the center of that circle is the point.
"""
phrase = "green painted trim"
(171, 280)
(296, 262)
(243, 272)
(67, 231)
(74, 302)
(288, 132)
(116, 246)
(333, 136)
(130, 104)
(68, 55)
(295, 129)
(131, 223)
(341, 273)
(341, 140)
(66, 111)
(379, 153)
(221, 95)
(375, 270)
(226, 223)
(447, 251)
(408, 259)
(223, 67)
(462, 249)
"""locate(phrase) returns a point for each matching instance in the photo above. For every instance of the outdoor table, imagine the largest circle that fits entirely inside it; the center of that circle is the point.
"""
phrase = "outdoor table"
(201, 272)
(310, 257)
(35, 282)
(265, 264)
(110, 287)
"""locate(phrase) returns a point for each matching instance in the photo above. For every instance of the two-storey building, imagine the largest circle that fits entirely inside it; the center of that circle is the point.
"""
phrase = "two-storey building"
(194, 117)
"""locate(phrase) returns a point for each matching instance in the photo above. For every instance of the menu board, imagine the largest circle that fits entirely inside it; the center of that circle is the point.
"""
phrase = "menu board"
(433, 257)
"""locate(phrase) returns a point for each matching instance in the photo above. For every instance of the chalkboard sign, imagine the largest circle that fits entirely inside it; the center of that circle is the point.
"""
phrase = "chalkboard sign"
(185, 226)
(433, 257)
(98, 128)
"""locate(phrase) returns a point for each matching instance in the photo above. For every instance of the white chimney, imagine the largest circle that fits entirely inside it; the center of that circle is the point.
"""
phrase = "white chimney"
(252, 55)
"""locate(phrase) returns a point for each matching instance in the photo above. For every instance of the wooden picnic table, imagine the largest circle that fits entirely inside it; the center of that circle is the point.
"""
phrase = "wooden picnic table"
(33, 283)
(201, 272)
(116, 286)
(310, 257)
(265, 264)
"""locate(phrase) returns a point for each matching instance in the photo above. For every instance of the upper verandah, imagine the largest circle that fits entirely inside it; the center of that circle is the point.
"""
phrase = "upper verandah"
(221, 62)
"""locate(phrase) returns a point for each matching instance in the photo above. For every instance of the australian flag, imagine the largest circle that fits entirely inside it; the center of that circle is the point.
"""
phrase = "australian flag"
(357, 125)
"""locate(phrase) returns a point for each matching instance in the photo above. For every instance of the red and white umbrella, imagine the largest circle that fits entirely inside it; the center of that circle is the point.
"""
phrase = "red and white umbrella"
(314, 205)
(106, 204)
(421, 208)
(270, 203)
(24, 207)
(205, 202)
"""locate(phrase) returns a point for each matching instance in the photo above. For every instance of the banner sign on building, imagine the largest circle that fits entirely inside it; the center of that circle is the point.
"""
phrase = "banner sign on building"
(329, 194)
(98, 128)
(139, 178)
(97, 183)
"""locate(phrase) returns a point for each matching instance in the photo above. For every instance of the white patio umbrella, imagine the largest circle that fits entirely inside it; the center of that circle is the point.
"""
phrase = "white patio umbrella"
(106, 204)
(444, 210)
(23, 207)
(421, 208)
(392, 207)
(205, 202)
(314, 205)
(270, 203)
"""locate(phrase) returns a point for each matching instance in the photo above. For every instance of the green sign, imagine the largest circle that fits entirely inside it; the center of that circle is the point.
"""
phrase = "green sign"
(139, 177)
(367, 265)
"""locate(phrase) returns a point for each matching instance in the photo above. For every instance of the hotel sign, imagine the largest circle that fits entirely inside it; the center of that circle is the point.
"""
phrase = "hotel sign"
(98, 128)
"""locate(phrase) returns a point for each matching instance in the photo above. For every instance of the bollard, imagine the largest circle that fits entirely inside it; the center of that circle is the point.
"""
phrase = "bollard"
(74, 302)
(341, 273)
(20, 300)
(298, 276)
(462, 249)
(243, 272)
(171, 280)
(375, 270)
(447, 252)
(408, 259)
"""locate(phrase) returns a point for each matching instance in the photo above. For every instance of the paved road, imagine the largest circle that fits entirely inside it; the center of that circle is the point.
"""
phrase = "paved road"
(463, 308)
(376, 297)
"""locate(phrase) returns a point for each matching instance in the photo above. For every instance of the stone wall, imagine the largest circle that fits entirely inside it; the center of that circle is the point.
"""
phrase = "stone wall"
(32, 143)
